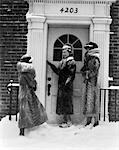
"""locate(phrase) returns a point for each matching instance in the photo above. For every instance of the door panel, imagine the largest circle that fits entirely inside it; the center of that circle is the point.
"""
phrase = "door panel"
(53, 34)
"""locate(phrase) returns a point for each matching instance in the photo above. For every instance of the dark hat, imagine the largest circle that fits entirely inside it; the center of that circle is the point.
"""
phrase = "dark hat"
(26, 58)
(91, 45)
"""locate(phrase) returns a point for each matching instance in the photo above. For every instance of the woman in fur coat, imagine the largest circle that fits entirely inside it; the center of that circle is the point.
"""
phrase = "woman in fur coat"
(66, 72)
(31, 111)
(90, 74)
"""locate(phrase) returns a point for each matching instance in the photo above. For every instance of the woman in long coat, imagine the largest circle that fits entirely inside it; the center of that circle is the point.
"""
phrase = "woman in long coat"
(90, 73)
(31, 111)
(66, 72)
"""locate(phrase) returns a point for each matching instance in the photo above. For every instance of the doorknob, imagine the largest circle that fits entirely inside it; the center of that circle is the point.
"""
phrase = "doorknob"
(49, 86)
(49, 78)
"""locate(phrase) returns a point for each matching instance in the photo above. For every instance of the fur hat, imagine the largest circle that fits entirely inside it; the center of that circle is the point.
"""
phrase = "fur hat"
(26, 58)
(67, 47)
(91, 45)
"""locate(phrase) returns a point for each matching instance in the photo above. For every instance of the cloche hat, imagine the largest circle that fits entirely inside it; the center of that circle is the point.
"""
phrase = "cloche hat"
(26, 58)
(91, 45)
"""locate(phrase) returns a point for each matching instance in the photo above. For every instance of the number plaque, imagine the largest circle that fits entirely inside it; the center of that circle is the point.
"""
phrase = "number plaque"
(69, 10)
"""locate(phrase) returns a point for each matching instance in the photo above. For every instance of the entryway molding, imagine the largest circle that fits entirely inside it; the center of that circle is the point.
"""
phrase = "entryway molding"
(44, 12)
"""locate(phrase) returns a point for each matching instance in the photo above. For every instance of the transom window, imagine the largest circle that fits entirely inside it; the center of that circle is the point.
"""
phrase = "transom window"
(71, 40)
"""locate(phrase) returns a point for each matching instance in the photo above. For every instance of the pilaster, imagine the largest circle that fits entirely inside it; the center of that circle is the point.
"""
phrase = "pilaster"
(101, 32)
(36, 49)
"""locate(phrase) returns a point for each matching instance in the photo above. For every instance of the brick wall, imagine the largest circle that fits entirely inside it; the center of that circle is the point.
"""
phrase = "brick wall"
(114, 61)
(13, 44)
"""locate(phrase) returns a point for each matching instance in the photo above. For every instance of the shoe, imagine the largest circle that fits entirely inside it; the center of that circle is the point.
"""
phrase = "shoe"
(69, 123)
(21, 132)
(63, 125)
(88, 121)
(96, 124)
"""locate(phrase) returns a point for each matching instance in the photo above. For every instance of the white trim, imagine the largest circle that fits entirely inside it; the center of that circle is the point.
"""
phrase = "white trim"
(73, 1)
(45, 58)
(83, 20)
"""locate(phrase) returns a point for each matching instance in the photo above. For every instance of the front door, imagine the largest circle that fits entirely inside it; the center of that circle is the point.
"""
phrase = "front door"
(77, 36)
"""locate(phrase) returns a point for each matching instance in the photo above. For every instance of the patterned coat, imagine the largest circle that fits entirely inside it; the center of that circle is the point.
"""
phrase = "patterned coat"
(66, 71)
(31, 111)
(90, 94)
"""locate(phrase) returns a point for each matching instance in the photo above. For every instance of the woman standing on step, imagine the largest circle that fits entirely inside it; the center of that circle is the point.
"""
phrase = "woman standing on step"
(66, 72)
(90, 74)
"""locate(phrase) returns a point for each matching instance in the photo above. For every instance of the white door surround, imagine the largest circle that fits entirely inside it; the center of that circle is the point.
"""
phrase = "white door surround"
(93, 13)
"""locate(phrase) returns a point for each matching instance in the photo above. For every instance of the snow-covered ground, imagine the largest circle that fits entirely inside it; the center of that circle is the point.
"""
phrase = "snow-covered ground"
(51, 137)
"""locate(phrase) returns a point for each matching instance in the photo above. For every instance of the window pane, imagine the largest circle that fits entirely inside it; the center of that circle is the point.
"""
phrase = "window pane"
(78, 55)
(57, 56)
(58, 44)
(77, 44)
(64, 38)
(72, 39)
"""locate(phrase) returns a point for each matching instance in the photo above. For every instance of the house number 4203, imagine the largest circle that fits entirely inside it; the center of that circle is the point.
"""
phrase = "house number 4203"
(69, 10)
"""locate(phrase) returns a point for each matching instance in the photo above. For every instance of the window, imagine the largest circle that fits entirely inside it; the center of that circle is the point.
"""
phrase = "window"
(71, 40)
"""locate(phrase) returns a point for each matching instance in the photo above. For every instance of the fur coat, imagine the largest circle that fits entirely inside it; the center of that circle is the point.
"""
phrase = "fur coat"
(90, 90)
(31, 111)
(66, 72)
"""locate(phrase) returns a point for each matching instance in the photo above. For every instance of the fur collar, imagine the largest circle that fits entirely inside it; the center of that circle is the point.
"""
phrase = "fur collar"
(24, 67)
(70, 58)
(94, 52)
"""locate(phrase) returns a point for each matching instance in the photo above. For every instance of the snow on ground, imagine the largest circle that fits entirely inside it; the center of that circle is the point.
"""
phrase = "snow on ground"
(51, 137)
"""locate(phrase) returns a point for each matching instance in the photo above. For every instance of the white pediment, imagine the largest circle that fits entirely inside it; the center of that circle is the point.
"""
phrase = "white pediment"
(71, 8)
